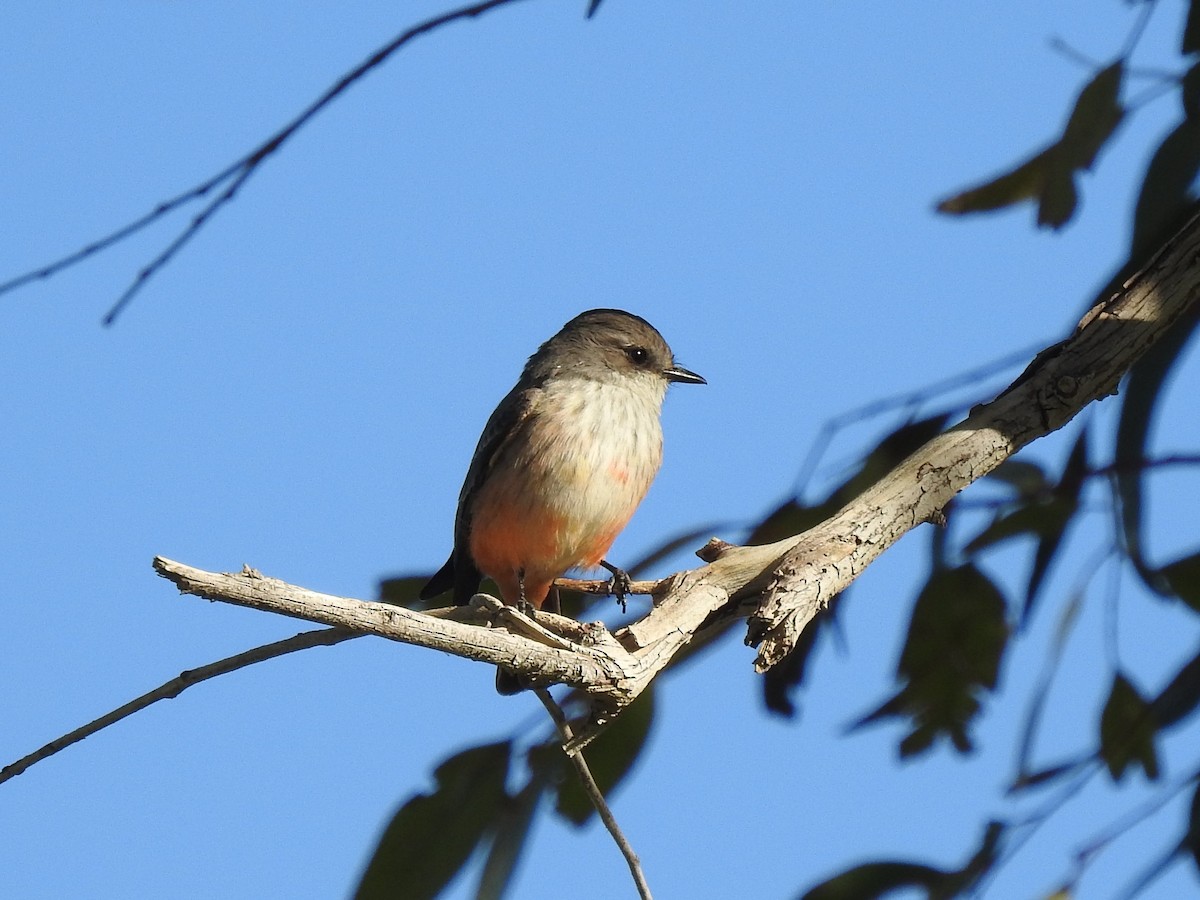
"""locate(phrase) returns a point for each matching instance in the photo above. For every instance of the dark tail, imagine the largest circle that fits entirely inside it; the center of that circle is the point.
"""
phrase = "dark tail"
(462, 576)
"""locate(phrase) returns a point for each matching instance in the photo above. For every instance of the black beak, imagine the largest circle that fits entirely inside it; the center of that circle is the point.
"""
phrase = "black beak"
(679, 373)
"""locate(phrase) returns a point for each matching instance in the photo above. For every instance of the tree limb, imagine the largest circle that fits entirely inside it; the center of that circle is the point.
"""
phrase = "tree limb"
(781, 586)
(326, 637)
(1057, 385)
(594, 793)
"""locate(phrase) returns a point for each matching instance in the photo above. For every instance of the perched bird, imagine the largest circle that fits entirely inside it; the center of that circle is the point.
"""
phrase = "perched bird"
(563, 461)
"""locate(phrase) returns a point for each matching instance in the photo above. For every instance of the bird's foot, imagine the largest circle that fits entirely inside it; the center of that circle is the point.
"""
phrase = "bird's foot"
(619, 584)
(523, 605)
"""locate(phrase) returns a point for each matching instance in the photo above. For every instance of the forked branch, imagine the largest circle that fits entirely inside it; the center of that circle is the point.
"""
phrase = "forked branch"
(780, 586)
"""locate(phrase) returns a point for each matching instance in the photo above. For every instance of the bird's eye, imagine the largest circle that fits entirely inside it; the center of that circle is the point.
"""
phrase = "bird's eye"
(637, 355)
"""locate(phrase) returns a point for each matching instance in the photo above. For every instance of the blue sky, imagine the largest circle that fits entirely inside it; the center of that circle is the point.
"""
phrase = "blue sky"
(301, 390)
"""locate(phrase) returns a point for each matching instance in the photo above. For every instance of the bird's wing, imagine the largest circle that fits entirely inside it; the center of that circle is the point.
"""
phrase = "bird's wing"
(506, 420)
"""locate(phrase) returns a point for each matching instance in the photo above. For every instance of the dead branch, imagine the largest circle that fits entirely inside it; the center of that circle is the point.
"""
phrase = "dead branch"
(1057, 385)
(780, 586)
(326, 637)
(584, 773)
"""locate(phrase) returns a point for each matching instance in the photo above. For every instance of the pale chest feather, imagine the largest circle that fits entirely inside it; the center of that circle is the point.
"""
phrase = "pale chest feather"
(605, 447)
(593, 449)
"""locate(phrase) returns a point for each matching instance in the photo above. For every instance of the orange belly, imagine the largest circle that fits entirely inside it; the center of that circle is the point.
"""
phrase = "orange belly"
(512, 548)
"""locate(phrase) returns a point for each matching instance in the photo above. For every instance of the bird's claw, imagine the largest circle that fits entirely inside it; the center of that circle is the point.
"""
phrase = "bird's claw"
(619, 584)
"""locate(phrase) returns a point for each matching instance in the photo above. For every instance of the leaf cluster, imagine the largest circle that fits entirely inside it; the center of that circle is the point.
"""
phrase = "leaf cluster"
(433, 836)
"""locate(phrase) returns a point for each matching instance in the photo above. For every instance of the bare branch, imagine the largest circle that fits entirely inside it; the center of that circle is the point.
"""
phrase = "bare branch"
(543, 648)
(235, 174)
(326, 637)
(908, 401)
(593, 791)
(1060, 382)
(125, 231)
(782, 585)
(178, 244)
(542, 663)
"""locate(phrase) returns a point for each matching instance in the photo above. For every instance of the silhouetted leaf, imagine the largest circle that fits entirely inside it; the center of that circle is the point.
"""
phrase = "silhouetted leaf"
(1049, 176)
(877, 879)
(1025, 182)
(610, 757)
(981, 862)
(402, 590)
(943, 553)
(1026, 478)
(792, 518)
(781, 680)
(952, 654)
(1190, 93)
(891, 451)
(1066, 494)
(788, 519)
(509, 831)
(1127, 731)
(432, 835)
(1191, 29)
(1166, 187)
(1165, 203)
(1045, 515)
(1059, 195)
(1183, 578)
(1140, 395)
(884, 457)
(1096, 115)
(593, 5)
(1191, 839)
(1179, 698)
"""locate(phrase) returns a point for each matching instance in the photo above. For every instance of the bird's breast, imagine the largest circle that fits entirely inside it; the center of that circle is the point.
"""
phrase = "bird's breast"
(600, 443)
(571, 479)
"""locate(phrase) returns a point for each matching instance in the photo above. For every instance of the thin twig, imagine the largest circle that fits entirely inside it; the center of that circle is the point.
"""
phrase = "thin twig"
(149, 270)
(128, 230)
(906, 400)
(1029, 826)
(1139, 28)
(323, 637)
(1118, 828)
(1140, 465)
(236, 173)
(593, 791)
(1067, 620)
(1059, 45)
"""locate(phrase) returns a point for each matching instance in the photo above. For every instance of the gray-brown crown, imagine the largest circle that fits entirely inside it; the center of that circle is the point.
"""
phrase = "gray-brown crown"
(602, 341)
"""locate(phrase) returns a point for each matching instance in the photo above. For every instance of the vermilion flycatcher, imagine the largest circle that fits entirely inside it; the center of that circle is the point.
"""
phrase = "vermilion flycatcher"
(564, 460)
